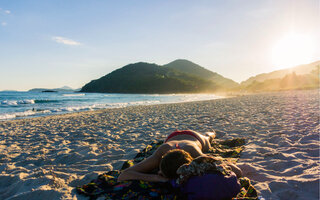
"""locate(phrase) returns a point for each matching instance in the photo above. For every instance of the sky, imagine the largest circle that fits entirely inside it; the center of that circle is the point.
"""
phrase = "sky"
(50, 44)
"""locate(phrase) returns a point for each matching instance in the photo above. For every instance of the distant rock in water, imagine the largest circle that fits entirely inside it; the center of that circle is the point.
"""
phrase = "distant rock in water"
(62, 89)
(180, 76)
(49, 91)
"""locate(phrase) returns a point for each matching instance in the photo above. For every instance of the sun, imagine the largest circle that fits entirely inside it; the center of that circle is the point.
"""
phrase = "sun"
(293, 49)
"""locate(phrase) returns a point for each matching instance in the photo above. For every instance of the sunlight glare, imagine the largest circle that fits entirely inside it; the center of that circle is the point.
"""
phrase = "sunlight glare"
(292, 50)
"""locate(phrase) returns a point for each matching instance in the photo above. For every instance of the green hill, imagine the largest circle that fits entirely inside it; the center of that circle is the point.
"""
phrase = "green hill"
(151, 78)
(299, 70)
(300, 77)
(194, 69)
(183, 76)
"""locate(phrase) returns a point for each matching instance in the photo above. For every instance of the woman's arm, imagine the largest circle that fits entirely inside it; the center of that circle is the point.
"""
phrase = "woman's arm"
(141, 170)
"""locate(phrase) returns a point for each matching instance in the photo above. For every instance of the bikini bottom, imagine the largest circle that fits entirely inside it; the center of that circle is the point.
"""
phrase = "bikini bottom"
(185, 132)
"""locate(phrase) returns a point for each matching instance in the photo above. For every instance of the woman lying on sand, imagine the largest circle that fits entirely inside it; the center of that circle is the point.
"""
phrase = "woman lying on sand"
(180, 147)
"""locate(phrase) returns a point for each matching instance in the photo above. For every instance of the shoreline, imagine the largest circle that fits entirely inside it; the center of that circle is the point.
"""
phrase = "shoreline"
(32, 106)
(111, 108)
(51, 155)
(222, 95)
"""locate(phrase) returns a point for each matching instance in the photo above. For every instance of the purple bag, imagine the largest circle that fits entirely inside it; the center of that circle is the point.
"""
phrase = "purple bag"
(211, 187)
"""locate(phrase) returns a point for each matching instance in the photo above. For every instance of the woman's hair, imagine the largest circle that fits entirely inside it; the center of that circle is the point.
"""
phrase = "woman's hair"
(172, 160)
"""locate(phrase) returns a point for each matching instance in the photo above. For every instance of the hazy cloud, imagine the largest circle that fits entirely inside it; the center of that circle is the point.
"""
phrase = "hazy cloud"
(3, 23)
(65, 41)
(6, 12)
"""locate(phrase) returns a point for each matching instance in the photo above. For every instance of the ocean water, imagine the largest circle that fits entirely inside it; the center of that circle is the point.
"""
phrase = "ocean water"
(16, 105)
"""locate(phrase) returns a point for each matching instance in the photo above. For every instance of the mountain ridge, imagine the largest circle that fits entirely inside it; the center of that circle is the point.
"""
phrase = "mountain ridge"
(183, 76)
(299, 77)
(195, 69)
(145, 77)
(299, 70)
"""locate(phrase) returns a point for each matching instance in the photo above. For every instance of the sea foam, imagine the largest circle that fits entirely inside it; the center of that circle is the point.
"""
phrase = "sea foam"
(17, 102)
(16, 114)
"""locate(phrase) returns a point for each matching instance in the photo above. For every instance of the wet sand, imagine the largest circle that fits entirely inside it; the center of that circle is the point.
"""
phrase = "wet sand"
(46, 157)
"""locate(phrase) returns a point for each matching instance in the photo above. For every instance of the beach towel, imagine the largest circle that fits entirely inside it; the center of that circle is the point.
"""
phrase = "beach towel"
(106, 184)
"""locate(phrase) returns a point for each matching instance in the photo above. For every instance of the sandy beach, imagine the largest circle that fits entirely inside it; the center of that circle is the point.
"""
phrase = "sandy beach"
(47, 157)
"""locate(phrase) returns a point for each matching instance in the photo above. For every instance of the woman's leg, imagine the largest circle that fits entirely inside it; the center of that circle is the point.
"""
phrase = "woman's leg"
(210, 135)
(206, 138)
